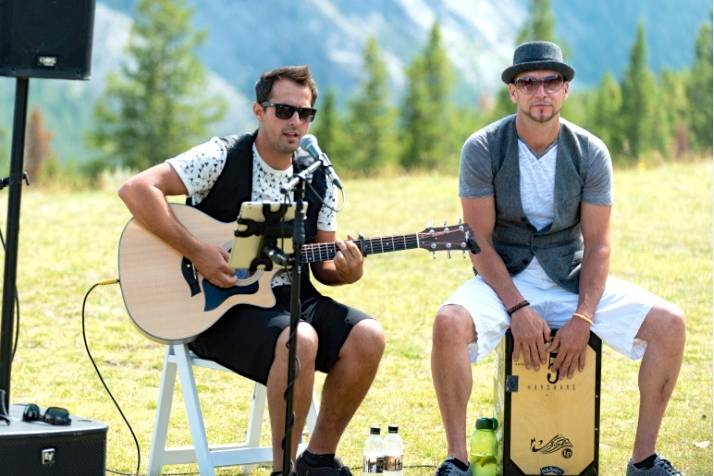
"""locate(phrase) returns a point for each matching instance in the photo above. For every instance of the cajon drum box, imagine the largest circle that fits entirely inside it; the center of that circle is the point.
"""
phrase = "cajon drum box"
(550, 425)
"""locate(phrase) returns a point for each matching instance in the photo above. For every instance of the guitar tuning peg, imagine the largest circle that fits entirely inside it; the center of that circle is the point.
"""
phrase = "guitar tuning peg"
(448, 253)
(458, 221)
(463, 254)
(430, 226)
(446, 227)
(433, 255)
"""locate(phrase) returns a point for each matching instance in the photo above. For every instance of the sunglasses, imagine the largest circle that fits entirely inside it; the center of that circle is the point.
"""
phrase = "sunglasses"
(286, 111)
(52, 416)
(528, 85)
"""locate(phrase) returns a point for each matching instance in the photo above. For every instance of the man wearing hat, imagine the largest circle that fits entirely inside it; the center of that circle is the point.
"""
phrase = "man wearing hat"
(537, 192)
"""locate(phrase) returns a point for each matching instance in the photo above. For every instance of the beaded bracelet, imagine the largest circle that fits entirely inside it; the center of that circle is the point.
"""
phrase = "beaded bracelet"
(583, 317)
(518, 306)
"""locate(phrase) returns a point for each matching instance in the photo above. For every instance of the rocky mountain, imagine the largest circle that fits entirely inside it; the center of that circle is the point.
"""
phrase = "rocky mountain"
(247, 37)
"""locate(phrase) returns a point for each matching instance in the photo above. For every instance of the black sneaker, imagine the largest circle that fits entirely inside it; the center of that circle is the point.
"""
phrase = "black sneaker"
(337, 469)
(450, 468)
(661, 467)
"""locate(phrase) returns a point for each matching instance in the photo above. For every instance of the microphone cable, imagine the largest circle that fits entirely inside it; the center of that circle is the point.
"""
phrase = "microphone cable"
(322, 199)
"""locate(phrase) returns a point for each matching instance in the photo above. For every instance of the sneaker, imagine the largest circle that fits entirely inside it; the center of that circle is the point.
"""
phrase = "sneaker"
(661, 467)
(449, 468)
(337, 469)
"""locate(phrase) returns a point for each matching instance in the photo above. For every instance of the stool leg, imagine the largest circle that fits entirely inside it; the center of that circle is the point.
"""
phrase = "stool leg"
(193, 411)
(163, 414)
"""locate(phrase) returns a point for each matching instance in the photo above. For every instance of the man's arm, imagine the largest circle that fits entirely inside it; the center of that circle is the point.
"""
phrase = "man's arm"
(145, 197)
(347, 267)
(530, 331)
(572, 339)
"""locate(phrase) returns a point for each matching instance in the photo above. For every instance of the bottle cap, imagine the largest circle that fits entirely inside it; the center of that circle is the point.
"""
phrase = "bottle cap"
(486, 423)
(375, 430)
(393, 429)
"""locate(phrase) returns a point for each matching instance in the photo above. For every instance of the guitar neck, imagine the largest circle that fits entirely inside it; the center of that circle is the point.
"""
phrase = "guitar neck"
(315, 252)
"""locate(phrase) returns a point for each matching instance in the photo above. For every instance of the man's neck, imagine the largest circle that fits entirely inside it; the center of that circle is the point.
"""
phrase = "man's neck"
(275, 160)
(538, 135)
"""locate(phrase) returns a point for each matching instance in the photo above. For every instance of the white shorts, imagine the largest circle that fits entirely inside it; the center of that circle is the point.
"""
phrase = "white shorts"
(618, 315)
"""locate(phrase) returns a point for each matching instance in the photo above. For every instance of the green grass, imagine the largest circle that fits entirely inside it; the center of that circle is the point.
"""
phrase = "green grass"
(662, 230)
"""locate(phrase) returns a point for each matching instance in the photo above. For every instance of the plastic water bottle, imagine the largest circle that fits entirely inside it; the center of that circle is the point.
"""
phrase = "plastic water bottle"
(393, 452)
(373, 453)
(483, 453)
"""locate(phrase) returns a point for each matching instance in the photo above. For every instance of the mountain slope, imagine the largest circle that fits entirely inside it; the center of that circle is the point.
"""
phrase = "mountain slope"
(248, 37)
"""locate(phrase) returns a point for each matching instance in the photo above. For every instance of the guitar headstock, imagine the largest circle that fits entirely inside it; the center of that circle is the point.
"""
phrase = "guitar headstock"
(447, 238)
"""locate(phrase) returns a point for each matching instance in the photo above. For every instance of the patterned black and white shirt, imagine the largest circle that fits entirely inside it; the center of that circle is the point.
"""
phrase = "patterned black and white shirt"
(199, 169)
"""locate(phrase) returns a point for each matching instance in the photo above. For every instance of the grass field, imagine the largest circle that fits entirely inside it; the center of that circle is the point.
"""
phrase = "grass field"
(662, 230)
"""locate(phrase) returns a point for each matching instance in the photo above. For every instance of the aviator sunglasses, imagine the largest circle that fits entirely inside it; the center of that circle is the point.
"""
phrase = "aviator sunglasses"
(52, 416)
(529, 85)
(286, 111)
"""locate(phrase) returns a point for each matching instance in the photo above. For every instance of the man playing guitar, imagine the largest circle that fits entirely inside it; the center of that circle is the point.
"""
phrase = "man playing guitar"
(218, 176)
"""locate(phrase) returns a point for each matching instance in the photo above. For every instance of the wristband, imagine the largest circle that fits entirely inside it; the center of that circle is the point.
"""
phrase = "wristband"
(518, 306)
(583, 317)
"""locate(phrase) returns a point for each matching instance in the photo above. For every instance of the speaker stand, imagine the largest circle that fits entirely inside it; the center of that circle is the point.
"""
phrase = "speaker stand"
(11, 237)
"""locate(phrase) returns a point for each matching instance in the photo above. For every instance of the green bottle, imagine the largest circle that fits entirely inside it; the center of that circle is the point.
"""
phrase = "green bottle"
(483, 454)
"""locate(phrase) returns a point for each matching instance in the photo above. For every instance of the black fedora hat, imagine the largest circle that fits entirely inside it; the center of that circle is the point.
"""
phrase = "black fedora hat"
(537, 55)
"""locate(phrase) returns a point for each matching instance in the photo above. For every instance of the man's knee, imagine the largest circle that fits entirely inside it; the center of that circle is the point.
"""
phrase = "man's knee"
(453, 324)
(365, 341)
(665, 322)
(307, 341)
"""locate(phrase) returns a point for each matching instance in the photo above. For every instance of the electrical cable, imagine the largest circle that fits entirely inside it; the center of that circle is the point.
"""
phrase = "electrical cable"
(322, 199)
(99, 374)
(17, 314)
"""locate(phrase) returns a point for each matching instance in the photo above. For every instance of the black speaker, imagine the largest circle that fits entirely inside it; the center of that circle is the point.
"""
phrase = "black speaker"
(46, 38)
(39, 449)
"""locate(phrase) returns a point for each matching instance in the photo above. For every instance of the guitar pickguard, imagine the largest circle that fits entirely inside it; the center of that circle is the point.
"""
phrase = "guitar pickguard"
(215, 296)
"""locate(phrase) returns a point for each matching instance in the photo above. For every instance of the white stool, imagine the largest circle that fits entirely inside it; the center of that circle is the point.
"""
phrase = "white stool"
(207, 457)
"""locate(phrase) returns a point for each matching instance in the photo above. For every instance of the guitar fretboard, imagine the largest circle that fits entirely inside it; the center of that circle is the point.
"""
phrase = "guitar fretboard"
(315, 252)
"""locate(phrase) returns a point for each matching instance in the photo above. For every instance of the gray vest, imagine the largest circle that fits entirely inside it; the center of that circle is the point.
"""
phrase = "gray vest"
(558, 247)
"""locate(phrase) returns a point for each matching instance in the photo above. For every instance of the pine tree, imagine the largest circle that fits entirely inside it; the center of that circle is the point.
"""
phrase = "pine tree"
(158, 106)
(699, 89)
(541, 24)
(370, 117)
(327, 126)
(676, 106)
(604, 114)
(427, 108)
(639, 89)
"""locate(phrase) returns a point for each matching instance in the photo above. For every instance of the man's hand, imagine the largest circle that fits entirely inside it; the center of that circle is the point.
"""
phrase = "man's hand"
(348, 261)
(570, 342)
(212, 263)
(530, 335)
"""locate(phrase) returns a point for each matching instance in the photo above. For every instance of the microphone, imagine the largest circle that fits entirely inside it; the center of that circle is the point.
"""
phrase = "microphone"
(309, 144)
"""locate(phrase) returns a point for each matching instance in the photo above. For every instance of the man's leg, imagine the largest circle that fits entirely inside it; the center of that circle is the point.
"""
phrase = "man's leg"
(451, 373)
(664, 331)
(347, 384)
(302, 393)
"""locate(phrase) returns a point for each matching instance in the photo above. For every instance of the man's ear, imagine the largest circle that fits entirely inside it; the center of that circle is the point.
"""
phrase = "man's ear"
(258, 111)
(512, 93)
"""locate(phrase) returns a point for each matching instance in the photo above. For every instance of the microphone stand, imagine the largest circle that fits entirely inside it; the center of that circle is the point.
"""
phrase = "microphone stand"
(13, 230)
(297, 185)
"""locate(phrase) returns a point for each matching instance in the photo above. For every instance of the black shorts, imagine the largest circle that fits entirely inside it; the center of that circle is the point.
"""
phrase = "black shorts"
(243, 340)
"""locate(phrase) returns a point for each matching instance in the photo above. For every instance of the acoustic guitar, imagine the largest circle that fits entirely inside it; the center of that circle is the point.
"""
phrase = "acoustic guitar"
(170, 302)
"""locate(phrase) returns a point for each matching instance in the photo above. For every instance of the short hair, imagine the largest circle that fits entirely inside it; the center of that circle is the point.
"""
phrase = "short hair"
(298, 74)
